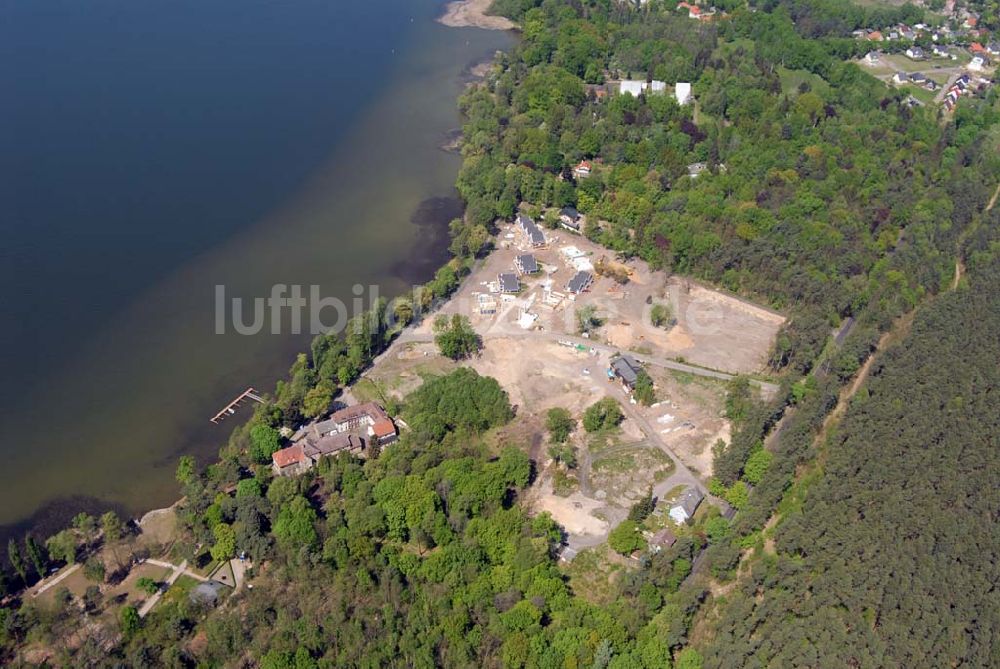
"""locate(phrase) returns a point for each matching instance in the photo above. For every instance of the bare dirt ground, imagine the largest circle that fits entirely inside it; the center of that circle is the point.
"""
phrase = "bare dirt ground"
(689, 417)
(575, 513)
(712, 329)
(531, 345)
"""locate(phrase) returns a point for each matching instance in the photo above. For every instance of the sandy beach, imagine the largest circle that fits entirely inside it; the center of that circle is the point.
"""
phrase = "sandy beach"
(472, 14)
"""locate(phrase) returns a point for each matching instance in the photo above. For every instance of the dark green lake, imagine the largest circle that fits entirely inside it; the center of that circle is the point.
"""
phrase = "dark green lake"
(151, 151)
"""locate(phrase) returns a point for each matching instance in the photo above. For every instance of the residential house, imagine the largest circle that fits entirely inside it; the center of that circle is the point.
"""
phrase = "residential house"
(694, 11)
(875, 36)
(580, 282)
(569, 218)
(931, 85)
(918, 78)
(303, 454)
(636, 87)
(993, 48)
(872, 58)
(695, 169)
(368, 420)
(900, 78)
(684, 508)
(940, 51)
(977, 48)
(915, 53)
(632, 87)
(531, 231)
(662, 540)
(333, 444)
(509, 283)
(526, 264)
(290, 461)
(582, 171)
(682, 92)
(907, 34)
(971, 22)
(977, 63)
(626, 369)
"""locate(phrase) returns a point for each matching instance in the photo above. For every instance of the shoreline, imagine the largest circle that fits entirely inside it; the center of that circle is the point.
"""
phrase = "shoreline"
(458, 14)
(472, 14)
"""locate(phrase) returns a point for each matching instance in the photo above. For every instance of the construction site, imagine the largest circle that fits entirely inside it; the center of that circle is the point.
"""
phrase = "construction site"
(535, 343)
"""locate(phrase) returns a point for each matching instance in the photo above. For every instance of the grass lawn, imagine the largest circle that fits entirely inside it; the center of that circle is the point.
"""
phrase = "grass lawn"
(593, 574)
(180, 590)
(792, 79)
(920, 93)
(366, 390)
(564, 484)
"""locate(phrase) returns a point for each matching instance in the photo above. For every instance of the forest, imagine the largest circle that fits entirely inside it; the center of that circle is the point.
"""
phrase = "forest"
(825, 195)
(893, 559)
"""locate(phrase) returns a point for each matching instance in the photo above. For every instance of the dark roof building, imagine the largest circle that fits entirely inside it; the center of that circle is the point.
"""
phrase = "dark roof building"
(569, 218)
(580, 282)
(526, 264)
(509, 283)
(331, 445)
(531, 231)
(626, 368)
(207, 593)
(663, 539)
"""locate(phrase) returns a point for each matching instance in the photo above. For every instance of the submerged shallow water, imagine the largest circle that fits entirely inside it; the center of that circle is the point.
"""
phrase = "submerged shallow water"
(151, 152)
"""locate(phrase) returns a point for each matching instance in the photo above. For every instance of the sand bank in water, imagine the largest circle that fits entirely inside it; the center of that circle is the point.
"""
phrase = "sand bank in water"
(472, 14)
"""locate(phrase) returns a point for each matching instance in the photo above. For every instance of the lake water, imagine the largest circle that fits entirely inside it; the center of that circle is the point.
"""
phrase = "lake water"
(150, 151)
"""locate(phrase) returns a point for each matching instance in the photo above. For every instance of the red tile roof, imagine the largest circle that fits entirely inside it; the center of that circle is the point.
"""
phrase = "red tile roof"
(289, 456)
(383, 428)
(976, 47)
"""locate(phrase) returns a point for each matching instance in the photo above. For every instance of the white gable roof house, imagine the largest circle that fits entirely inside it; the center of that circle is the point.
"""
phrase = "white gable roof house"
(635, 87)
(682, 92)
(683, 509)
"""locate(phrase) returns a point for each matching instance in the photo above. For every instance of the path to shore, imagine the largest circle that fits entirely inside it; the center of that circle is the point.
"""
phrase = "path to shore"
(55, 581)
(179, 570)
(472, 14)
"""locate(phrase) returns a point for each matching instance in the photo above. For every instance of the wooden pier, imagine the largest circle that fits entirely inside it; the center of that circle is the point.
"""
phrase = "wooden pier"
(230, 409)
